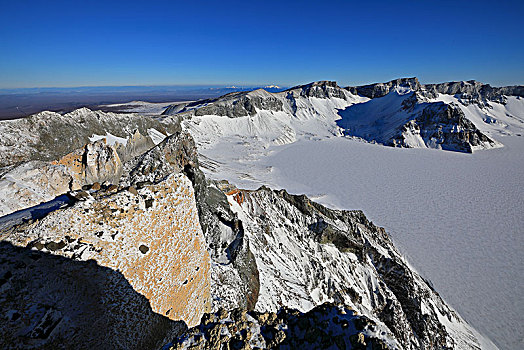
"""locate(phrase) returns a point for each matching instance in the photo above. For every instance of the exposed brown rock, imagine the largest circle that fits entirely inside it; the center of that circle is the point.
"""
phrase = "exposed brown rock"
(159, 250)
(95, 162)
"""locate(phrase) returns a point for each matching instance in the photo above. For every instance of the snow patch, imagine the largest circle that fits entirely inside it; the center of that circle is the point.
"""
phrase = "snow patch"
(110, 139)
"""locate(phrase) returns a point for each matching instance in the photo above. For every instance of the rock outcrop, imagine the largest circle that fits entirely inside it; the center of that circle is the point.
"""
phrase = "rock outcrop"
(232, 105)
(327, 326)
(150, 235)
(318, 89)
(442, 126)
(474, 92)
(95, 162)
(406, 118)
(223, 231)
(48, 136)
(34, 182)
(382, 89)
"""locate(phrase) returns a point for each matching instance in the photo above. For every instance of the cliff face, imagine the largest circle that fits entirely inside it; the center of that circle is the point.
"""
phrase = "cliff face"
(151, 236)
(382, 89)
(95, 162)
(307, 254)
(475, 92)
(466, 91)
(446, 127)
(405, 118)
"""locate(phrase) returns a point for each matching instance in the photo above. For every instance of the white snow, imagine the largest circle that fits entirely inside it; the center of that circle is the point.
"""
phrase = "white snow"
(496, 119)
(457, 217)
(110, 139)
(156, 135)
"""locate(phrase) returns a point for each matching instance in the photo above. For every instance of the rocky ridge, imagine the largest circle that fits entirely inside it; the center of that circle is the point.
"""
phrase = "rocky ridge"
(47, 136)
(34, 182)
(406, 118)
(145, 249)
(248, 103)
(307, 255)
(467, 91)
(382, 89)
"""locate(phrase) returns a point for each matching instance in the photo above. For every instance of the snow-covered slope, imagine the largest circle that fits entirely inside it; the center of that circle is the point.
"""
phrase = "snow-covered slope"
(404, 118)
(268, 118)
(239, 127)
(401, 113)
(459, 116)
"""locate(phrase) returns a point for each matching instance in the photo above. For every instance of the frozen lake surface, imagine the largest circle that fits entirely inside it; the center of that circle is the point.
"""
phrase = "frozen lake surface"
(458, 218)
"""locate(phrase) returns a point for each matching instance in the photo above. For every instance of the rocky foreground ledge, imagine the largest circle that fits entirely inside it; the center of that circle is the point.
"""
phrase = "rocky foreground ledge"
(324, 327)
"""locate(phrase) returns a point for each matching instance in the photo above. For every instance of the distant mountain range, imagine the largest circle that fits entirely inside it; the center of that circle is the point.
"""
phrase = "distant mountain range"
(16, 103)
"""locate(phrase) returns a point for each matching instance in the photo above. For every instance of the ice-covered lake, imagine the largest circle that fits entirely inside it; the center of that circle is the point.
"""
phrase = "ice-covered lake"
(458, 218)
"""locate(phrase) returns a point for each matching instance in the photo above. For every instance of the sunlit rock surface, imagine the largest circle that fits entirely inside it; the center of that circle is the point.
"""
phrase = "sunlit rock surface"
(150, 236)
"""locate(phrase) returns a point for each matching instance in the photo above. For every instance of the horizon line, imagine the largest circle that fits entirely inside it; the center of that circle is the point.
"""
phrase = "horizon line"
(233, 85)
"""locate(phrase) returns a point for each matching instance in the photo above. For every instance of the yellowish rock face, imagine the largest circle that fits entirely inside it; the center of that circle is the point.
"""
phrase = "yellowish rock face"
(154, 239)
(34, 182)
(95, 162)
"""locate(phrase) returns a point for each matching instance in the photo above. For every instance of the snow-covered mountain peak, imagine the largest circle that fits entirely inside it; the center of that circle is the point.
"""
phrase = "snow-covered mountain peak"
(321, 90)
(383, 113)
(381, 89)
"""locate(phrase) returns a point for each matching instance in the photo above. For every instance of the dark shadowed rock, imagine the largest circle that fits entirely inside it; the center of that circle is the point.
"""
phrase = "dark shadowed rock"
(327, 326)
(52, 302)
(382, 89)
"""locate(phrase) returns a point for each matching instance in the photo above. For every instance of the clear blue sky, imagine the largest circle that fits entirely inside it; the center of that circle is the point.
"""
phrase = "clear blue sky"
(80, 42)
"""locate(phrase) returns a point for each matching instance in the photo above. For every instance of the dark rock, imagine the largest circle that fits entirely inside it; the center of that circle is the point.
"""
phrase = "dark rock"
(61, 303)
(285, 329)
(133, 190)
(382, 89)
